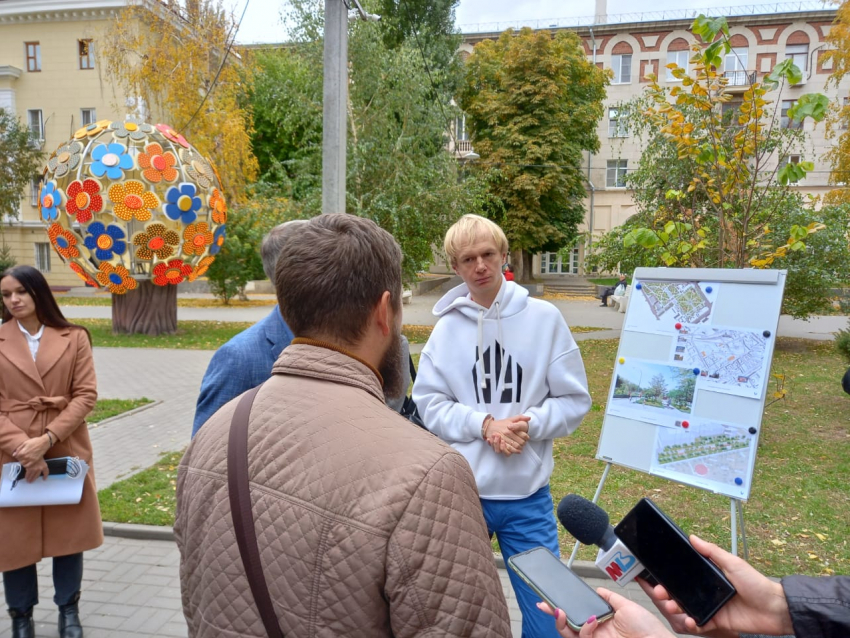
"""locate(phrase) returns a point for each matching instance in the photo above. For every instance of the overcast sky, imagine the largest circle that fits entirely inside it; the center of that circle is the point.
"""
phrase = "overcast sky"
(262, 22)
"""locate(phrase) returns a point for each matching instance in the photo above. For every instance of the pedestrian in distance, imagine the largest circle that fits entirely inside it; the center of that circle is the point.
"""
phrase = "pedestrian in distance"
(47, 387)
(619, 289)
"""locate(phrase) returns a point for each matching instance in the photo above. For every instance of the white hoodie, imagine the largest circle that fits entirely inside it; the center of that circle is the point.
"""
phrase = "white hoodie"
(544, 379)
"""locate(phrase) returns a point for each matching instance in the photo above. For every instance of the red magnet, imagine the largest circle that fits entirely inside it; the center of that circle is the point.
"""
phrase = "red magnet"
(685, 424)
(678, 326)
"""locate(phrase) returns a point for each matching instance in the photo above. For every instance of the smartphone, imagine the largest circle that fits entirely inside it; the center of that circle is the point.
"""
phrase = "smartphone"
(57, 466)
(693, 581)
(558, 586)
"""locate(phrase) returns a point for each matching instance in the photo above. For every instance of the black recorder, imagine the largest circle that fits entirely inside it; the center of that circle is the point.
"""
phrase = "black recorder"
(694, 582)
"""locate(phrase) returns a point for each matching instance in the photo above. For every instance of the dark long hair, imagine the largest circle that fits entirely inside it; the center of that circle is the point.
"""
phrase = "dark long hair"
(46, 308)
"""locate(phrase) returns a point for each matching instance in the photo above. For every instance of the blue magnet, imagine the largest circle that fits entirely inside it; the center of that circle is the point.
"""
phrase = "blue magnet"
(739, 480)
(696, 371)
(752, 430)
(639, 286)
(708, 289)
(766, 333)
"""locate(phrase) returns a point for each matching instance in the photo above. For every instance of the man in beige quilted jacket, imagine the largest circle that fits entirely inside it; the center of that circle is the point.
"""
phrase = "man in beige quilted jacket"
(367, 525)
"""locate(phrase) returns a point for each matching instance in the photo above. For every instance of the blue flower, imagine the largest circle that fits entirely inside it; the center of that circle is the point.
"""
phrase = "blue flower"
(105, 241)
(218, 239)
(110, 160)
(182, 202)
(51, 199)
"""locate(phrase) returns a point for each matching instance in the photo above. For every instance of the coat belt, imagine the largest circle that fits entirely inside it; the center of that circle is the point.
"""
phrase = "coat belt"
(39, 404)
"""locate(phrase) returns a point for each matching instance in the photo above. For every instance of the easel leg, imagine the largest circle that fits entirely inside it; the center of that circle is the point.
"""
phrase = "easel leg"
(743, 531)
(595, 499)
(734, 527)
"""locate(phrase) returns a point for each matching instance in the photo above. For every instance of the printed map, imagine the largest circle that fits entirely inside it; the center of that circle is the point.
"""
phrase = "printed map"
(663, 304)
(730, 361)
(708, 455)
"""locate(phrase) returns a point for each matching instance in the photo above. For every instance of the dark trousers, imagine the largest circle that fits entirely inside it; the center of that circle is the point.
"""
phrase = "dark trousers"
(608, 292)
(21, 585)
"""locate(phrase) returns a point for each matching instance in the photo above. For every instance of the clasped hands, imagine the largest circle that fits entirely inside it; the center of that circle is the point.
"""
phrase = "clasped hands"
(507, 436)
(30, 454)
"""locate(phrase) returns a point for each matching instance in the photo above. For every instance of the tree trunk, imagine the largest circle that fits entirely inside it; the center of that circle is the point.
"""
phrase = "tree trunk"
(149, 310)
(522, 263)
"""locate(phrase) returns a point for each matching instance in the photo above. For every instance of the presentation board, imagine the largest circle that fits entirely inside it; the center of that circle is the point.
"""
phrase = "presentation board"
(691, 375)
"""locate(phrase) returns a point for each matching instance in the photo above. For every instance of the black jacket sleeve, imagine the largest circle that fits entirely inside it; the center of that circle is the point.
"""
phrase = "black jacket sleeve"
(820, 607)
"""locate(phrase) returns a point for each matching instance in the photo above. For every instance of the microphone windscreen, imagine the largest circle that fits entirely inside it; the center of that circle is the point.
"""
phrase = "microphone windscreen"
(586, 521)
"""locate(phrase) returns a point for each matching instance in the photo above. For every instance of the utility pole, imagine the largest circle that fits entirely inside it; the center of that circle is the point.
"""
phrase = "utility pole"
(334, 133)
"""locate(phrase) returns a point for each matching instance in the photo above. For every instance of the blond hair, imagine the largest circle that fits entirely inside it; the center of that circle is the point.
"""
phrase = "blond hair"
(469, 229)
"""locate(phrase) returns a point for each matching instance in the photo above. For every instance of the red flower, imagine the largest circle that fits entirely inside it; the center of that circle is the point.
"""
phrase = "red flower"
(82, 274)
(171, 273)
(172, 135)
(84, 199)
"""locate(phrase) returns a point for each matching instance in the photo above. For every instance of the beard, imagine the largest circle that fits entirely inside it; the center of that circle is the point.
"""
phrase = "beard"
(392, 367)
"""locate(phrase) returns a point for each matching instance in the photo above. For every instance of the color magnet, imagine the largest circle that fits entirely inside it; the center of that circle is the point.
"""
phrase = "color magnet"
(622, 360)
(685, 424)
(752, 430)
(678, 326)
(696, 371)
(639, 286)
(766, 333)
(708, 289)
(739, 480)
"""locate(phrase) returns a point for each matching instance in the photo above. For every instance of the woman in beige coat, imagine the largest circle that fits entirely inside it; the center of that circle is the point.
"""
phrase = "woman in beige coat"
(47, 387)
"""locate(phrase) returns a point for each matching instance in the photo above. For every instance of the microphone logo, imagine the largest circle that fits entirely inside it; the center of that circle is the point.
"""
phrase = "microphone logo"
(619, 565)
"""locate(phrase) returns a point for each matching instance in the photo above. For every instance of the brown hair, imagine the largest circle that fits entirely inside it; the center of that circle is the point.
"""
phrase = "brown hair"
(331, 274)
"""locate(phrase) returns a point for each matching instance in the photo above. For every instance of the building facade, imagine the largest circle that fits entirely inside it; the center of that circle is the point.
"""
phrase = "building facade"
(51, 77)
(644, 45)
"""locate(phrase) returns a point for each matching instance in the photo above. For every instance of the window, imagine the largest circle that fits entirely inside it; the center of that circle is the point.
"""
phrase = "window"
(735, 66)
(460, 128)
(35, 187)
(785, 121)
(88, 116)
(42, 256)
(560, 263)
(36, 124)
(800, 54)
(680, 59)
(729, 112)
(617, 124)
(33, 52)
(86, 53)
(788, 159)
(845, 112)
(616, 176)
(622, 65)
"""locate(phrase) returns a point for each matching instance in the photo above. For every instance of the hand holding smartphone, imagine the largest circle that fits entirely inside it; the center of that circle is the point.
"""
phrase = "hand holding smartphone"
(559, 587)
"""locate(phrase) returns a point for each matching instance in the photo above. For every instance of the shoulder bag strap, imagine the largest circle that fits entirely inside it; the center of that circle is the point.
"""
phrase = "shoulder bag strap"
(243, 517)
(412, 368)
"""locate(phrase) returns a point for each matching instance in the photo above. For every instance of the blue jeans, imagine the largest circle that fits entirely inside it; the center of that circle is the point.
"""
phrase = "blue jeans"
(521, 525)
(21, 585)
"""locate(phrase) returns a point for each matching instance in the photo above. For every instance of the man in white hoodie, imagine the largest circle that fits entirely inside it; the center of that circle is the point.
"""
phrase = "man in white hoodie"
(499, 379)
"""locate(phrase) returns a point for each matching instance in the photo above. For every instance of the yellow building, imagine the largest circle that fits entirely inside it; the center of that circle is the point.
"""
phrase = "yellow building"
(51, 77)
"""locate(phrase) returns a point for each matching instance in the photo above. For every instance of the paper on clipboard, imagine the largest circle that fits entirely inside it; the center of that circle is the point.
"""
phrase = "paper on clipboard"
(57, 489)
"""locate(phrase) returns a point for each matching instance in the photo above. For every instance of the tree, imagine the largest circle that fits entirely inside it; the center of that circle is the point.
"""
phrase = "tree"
(838, 155)
(657, 386)
(533, 102)
(20, 160)
(713, 187)
(398, 171)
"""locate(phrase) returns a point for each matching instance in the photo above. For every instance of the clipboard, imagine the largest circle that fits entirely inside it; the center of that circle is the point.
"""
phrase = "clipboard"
(63, 486)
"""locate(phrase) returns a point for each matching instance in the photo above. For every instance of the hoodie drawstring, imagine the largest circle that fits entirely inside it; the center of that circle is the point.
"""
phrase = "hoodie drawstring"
(500, 386)
(482, 382)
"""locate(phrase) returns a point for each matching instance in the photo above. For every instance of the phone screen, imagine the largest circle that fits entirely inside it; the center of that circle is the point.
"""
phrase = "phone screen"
(692, 580)
(559, 586)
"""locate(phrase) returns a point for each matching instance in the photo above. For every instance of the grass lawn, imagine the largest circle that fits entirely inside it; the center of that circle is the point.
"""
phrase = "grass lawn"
(106, 300)
(108, 408)
(797, 519)
(191, 335)
(605, 281)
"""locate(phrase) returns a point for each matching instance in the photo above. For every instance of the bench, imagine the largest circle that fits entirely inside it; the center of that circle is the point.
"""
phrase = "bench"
(406, 297)
(619, 302)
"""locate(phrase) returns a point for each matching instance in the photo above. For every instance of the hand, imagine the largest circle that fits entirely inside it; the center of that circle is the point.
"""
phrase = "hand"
(508, 436)
(630, 621)
(29, 452)
(35, 470)
(758, 608)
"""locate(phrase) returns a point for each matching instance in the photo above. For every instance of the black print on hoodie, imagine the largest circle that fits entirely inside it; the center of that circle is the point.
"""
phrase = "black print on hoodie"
(492, 374)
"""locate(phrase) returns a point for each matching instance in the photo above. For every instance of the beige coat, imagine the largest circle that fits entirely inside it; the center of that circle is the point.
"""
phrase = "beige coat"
(368, 526)
(58, 390)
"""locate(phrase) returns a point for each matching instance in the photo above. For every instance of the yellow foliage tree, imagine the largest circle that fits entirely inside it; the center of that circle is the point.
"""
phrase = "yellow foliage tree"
(837, 125)
(178, 65)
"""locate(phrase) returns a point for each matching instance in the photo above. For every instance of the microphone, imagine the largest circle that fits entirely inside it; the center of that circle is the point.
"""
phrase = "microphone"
(588, 523)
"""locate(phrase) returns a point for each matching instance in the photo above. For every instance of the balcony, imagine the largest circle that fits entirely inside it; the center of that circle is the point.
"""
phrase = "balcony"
(739, 81)
(461, 148)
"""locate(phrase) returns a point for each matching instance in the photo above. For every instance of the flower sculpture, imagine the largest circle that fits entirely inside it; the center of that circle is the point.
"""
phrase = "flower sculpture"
(84, 199)
(110, 160)
(126, 202)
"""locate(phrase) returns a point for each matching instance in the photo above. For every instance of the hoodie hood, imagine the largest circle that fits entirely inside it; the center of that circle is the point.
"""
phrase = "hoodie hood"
(512, 299)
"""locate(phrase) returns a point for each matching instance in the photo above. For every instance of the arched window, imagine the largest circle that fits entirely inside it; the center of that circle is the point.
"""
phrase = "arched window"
(678, 53)
(736, 63)
(621, 63)
(797, 48)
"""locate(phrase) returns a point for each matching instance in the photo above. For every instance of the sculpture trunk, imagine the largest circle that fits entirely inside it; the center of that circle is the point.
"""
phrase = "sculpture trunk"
(149, 310)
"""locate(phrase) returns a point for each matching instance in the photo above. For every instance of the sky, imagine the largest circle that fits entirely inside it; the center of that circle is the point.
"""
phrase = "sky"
(262, 21)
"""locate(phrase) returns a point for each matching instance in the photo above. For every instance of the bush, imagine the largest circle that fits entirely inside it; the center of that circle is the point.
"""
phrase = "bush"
(6, 259)
(842, 342)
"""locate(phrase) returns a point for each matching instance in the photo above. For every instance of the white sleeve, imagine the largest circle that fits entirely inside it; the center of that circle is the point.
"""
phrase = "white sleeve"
(440, 410)
(568, 401)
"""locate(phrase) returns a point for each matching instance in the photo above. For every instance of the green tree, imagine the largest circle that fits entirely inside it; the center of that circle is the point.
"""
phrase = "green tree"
(20, 160)
(399, 173)
(657, 386)
(533, 102)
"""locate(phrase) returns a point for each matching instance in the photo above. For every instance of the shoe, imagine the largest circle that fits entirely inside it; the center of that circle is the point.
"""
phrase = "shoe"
(603, 305)
(69, 619)
(22, 623)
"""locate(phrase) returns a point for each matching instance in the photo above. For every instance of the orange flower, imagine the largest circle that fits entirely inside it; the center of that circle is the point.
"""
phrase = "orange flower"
(132, 200)
(92, 129)
(155, 240)
(115, 278)
(202, 267)
(82, 274)
(157, 165)
(196, 238)
(64, 241)
(218, 207)
(171, 273)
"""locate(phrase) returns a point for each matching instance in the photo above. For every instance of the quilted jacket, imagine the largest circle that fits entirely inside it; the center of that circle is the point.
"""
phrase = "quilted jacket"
(367, 525)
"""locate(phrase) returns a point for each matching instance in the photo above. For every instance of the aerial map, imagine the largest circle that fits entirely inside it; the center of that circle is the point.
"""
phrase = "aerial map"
(707, 454)
(730, 361)
(660, 305)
